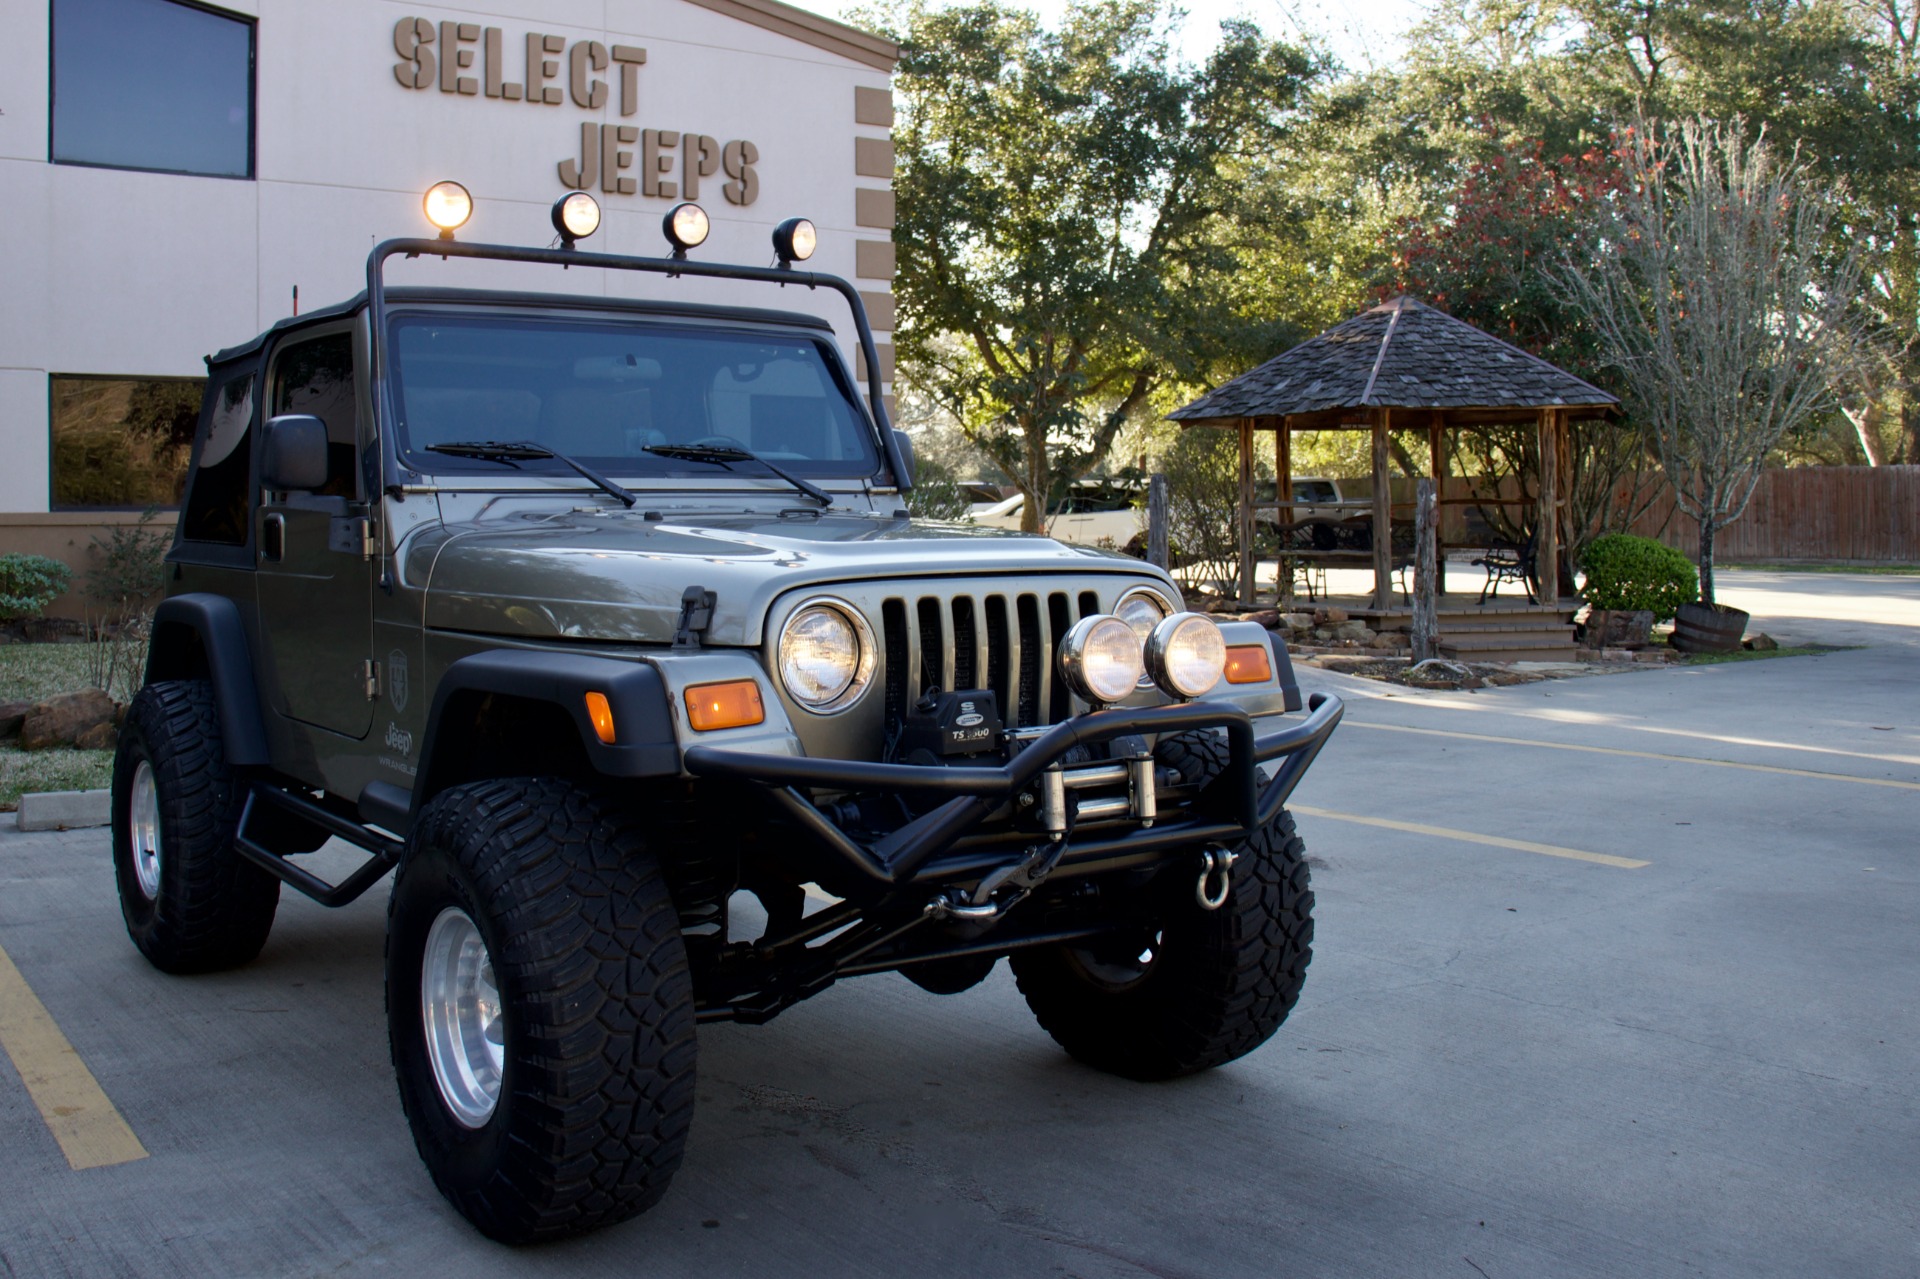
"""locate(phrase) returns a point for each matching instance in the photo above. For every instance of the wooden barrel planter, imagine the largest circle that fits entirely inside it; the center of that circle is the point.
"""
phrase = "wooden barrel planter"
(1708, 628)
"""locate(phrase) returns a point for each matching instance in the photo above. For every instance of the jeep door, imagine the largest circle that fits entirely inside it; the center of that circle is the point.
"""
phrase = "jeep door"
(315, 582)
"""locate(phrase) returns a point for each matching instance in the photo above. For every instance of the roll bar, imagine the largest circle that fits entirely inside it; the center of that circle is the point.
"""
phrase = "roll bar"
(414, 248)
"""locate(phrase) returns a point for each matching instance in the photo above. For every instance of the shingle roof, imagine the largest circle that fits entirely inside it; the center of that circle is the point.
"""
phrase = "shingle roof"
(1400, 354)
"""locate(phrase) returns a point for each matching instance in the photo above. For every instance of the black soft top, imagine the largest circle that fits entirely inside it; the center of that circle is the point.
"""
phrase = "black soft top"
(494, 297)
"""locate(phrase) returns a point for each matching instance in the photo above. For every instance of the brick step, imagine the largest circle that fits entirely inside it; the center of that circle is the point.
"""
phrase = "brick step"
(1503, 627)
(1494, 644)
(1515, 655)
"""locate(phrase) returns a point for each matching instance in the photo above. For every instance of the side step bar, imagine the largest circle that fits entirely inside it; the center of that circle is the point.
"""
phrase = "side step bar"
(383, 853)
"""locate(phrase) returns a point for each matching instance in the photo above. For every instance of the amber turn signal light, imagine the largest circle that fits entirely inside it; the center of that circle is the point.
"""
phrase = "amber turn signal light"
(1248, 664)
(733, 704)
(602, 716)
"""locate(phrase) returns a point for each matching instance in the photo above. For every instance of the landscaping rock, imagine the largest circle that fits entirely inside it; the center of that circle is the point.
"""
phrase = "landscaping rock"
(1657, 656)
(1267, 617)
(1298, 621)
(60, 721)
(1358, 632)
(1761, 642)
(1391, 640)
(1617, 628)
(12, 716)
(1329, 616)
(101, 737)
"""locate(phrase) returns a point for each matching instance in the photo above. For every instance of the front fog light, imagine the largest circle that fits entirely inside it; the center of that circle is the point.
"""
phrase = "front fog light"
(1100, 659)
(826, 657)
(1185, 655)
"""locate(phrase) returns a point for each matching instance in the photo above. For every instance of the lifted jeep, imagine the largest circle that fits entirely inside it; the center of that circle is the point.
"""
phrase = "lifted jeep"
(601, 623)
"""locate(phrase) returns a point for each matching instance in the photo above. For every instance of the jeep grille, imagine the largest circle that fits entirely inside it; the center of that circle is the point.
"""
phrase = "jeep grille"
(1001, 641)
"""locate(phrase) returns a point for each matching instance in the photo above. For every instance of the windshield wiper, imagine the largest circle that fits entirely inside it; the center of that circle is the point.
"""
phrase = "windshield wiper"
(720, 455)
(520, 451)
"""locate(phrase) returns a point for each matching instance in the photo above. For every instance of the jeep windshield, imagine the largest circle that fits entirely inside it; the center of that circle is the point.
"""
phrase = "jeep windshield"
(622, 397)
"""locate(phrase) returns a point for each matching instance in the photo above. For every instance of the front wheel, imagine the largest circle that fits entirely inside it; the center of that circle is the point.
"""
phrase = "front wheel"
(539, 1009)
(1189, 989)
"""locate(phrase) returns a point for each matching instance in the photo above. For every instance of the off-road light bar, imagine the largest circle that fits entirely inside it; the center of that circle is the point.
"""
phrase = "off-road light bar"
(448, 206)
(686, 227)
(1100, 659)
(1185, 655)
(575, 216)
(794, 241)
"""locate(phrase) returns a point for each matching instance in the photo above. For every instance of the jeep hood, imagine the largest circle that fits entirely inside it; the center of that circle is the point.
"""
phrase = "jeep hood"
(620, 576)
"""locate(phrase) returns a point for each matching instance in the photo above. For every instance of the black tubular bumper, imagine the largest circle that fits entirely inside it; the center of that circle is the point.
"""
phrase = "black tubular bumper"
(934, 848)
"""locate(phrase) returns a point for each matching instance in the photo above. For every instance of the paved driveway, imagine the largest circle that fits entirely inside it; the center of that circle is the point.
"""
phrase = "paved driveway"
(1518, 1054)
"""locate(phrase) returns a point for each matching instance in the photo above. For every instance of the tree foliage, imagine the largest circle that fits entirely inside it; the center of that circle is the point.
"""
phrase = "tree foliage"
(1716, 306)
(1074, 207)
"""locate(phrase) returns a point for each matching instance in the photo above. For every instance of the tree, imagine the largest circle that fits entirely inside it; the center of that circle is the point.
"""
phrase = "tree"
(1067, 202)
(1714, 300)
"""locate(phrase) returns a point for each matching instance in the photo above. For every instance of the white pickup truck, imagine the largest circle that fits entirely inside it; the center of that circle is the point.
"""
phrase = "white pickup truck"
(1106, 517)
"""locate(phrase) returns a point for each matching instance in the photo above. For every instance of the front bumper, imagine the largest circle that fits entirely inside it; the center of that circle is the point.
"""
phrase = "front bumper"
(940, 847)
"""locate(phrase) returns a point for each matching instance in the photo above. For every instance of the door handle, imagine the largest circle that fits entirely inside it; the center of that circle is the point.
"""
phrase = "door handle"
(273, 538)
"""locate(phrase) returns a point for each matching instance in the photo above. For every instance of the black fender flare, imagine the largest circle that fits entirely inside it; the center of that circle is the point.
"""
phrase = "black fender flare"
(644, 744)
(221, 656)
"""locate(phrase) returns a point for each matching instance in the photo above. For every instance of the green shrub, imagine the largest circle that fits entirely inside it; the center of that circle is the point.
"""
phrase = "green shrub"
(28, 583)
(1634, 573)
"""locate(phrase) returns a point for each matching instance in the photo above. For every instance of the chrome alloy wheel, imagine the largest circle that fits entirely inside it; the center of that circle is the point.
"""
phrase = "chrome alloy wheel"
(143, 829)
(460, 1012)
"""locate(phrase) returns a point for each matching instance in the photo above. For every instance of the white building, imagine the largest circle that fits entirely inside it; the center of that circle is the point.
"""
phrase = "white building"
(172, 173)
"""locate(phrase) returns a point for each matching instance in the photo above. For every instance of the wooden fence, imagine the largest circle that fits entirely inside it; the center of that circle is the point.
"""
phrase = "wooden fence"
(1849, 514)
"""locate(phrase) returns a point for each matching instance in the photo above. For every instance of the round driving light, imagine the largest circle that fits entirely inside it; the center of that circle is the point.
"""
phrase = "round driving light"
(1185, 655)
(686, 227)
(1100, 659)
(448, 206)
(794, 240)
(826, 656)
(576, 216)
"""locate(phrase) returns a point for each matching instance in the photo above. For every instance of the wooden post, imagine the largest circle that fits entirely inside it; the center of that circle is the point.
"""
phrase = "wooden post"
(1546, 538)
(1245, 514)
(1382, 514)
(1157, 520)
(1426, 537)
(1283, 506)
(1437, 467)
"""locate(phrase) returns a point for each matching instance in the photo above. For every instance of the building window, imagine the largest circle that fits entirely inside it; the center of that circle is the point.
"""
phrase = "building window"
(152, 84)
(121, 442)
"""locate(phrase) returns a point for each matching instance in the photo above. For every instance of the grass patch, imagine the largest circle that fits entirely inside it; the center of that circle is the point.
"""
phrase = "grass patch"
(1756, 655)
(1869, 570)
(27, 772)
(31, 672)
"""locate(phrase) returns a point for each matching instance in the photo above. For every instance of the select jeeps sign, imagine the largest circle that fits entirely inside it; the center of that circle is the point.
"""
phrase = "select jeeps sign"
(467, 58)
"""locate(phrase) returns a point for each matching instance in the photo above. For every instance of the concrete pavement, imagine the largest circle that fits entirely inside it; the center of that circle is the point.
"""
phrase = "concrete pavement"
(1504, 1063)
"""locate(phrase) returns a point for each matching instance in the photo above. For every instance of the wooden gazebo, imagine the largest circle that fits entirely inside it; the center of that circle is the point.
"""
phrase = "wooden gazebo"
(1401, 365)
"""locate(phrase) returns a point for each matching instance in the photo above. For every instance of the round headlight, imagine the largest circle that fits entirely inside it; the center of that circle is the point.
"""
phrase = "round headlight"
(448, 206)
(1142, 610)
(1100, 658)
(794, 240)
(686, 227)
(1185, 655)
(576, 216)
(826, 656)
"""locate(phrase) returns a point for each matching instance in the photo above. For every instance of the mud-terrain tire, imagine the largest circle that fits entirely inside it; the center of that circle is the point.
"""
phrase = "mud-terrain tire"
(1198, 756)
(592, 1004)
(192, 904)
(1212, 986)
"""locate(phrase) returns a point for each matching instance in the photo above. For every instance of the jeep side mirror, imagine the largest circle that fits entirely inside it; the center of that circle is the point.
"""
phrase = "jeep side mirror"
(294, 456)
(904, 442)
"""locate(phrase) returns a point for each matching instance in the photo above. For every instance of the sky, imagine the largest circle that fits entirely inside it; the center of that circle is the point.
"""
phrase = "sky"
(1361, 33)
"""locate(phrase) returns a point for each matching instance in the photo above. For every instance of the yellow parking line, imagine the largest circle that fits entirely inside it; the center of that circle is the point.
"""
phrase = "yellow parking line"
(1615, 750)
(77, 1112)
(1471, 837)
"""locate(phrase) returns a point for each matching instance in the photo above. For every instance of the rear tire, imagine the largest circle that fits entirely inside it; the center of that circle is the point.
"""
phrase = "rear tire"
(192, 904)
(1195, 988)
(558, 946)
